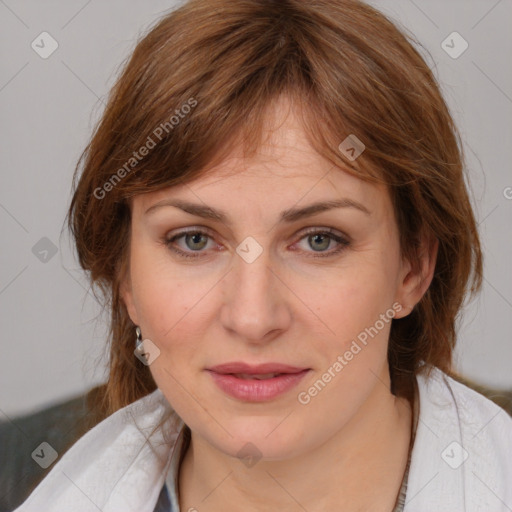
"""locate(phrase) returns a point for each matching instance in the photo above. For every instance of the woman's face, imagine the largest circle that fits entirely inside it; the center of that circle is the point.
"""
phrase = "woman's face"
(258, 286)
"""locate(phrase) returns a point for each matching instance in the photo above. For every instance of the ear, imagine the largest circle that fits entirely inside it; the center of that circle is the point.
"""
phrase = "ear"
(415, 277)
(126, 293)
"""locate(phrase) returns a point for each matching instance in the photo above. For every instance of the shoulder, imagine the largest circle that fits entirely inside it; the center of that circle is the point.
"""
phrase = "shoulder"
(476, 415)
(118, 465)
(462, 453)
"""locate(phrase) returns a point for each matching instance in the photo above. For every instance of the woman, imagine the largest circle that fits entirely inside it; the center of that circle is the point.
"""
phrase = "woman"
(275, 207)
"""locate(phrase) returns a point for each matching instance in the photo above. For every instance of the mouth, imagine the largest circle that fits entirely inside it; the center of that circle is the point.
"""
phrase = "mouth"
(256, 383)
(260, 376)
(265, 370)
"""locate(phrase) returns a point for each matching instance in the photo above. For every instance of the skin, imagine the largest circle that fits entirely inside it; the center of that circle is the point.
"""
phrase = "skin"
(349, 444)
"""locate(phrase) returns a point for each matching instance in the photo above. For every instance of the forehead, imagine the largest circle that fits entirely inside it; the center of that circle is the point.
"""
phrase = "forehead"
(285, 170)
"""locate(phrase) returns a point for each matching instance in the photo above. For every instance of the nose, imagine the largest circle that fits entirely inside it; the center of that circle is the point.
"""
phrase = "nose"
(255, 305)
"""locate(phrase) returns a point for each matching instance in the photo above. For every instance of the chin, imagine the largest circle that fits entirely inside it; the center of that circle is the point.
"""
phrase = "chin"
(261, 438)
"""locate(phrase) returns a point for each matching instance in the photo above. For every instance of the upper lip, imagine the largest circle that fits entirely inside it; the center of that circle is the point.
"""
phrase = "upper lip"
(239, 367)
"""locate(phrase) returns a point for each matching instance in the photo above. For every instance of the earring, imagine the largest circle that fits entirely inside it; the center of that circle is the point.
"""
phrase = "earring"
(138, 336)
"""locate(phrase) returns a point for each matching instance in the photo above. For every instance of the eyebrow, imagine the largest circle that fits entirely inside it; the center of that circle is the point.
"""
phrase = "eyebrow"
(290, 215)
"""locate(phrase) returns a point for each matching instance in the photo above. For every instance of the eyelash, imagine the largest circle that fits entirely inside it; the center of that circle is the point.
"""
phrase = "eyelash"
(343, 242)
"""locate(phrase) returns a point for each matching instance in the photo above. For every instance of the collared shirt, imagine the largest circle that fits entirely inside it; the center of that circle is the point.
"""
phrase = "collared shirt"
(168, 499)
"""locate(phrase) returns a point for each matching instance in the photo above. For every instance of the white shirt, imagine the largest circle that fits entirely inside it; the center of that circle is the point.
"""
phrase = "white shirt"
(461, 458)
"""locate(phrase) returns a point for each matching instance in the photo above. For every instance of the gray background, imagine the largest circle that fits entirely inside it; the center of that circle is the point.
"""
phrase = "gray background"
(52, 330)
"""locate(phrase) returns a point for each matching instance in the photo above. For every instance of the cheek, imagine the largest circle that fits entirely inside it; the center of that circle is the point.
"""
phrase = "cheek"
(170, 306)
(166, 295)
(354, 298)
(358, 309)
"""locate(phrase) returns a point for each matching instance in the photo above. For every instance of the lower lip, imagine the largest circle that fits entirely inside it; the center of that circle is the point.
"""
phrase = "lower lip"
(253, 390)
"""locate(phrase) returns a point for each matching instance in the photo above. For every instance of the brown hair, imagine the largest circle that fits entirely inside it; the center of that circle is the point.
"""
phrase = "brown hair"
(204, 78)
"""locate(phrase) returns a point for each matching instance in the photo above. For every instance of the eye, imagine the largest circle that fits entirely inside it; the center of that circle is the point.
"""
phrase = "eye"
(320, 240)
(195, 241)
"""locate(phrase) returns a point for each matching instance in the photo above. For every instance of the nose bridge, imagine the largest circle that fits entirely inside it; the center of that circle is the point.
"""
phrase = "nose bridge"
(253, 304)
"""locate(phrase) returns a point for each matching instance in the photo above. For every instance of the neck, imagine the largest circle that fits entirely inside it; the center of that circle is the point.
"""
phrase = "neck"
(361, 466)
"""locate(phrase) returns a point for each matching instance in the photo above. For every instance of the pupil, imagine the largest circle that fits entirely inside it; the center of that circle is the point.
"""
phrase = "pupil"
(325, 238)
(196, 239)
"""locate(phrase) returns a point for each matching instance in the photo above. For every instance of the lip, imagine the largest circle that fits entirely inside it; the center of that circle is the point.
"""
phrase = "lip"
(252, 390)
(240, 367)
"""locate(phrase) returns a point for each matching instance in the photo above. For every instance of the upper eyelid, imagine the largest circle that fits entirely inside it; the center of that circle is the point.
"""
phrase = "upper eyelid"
(207, 231)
